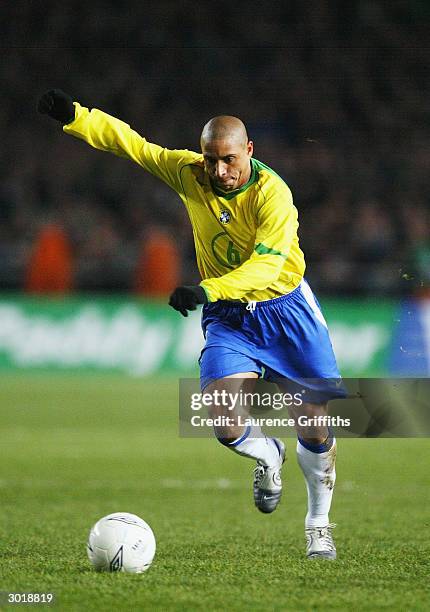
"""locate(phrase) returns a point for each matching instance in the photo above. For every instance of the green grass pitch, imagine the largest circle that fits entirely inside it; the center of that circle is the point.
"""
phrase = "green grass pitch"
(74, 448)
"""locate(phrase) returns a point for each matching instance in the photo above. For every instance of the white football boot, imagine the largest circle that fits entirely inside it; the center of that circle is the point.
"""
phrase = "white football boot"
(268, 483)
(319, 542)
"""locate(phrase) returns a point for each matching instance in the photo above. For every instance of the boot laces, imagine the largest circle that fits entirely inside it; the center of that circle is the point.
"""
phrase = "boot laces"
(259, 473)
(324, 534)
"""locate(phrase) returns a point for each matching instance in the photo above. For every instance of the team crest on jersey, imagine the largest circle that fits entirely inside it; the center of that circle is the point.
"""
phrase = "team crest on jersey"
(224, 217)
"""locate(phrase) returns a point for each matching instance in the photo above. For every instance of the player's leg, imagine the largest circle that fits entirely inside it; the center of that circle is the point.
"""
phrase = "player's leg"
(316, 456)
(229, 361)
(301, 353)
(244, 440)
(248, 441)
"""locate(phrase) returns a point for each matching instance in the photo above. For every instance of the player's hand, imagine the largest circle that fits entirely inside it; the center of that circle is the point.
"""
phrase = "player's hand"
(57, 105)
(187, 298)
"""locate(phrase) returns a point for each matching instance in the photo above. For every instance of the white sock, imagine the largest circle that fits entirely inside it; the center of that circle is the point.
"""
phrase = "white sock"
(320, 475)
(254, 444)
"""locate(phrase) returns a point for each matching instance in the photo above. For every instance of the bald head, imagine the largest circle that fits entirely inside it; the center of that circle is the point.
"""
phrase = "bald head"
(226, 152)
(225, 128)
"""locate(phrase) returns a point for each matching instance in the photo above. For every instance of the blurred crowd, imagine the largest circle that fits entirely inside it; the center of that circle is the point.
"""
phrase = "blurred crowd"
(334, 95)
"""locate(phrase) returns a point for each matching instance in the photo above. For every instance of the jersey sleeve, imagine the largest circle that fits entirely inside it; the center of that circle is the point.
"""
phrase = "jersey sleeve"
(107, 133)
(277, 228)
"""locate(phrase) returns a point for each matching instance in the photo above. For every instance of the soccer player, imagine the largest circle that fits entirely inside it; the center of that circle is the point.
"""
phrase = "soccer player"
(260, 316)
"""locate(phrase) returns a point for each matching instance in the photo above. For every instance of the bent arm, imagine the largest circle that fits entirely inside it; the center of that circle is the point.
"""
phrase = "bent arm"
(107, 133)
(275, 234)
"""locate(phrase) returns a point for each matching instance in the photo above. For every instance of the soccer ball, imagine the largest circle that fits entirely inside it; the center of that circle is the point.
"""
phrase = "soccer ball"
(121, 542)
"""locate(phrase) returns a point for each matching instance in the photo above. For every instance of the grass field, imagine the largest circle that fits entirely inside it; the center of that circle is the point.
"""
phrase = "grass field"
(76, 448)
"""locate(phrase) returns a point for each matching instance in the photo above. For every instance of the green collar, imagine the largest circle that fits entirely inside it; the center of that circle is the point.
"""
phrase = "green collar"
(228, 195)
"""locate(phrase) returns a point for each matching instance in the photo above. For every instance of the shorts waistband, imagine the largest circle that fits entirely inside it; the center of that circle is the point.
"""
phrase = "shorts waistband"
(264, 303)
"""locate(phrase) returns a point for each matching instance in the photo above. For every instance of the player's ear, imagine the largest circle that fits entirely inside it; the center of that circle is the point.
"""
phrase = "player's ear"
(250, 148)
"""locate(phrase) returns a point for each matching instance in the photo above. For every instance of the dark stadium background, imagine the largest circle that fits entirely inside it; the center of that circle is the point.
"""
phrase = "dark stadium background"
(335, 96)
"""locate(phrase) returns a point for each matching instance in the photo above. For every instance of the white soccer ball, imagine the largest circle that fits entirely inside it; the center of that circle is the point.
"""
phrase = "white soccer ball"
(121, 542)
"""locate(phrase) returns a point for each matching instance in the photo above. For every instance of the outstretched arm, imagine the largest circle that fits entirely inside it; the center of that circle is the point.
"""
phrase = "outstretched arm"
(107, 133)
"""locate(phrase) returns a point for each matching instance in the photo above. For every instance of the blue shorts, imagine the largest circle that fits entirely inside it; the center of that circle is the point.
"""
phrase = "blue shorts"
(283, 338)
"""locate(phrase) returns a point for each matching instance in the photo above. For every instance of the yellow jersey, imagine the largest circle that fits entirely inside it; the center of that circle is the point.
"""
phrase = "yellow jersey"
(246, 241)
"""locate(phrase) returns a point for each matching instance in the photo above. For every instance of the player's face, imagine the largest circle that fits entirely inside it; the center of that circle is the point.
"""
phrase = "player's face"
(228, 163)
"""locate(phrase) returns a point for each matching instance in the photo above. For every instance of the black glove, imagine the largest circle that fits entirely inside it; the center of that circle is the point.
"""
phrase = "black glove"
(57, 105)
(187, 298)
